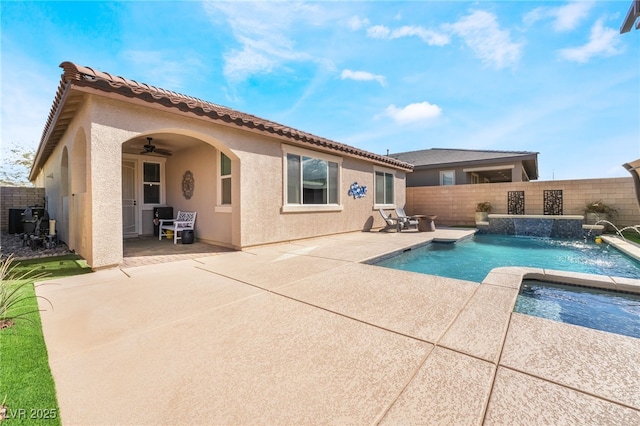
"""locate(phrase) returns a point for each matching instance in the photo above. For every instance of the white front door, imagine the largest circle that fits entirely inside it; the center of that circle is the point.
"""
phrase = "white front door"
(129, 199)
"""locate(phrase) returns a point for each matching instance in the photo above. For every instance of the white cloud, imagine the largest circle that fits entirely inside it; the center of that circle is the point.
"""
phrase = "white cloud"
(565, 18)
(355, 23)
(362, 76)
(602, 42)
(263, 31)
(378, 31)
(481, 32)
(432, 38)
(423, 111)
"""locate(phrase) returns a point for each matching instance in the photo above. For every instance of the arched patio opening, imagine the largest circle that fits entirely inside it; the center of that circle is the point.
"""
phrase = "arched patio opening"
(184, 171)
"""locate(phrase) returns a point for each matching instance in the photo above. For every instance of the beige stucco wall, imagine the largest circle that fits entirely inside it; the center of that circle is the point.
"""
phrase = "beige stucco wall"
(202, 161)
(256, 217)
(455, 205)
(71, 207)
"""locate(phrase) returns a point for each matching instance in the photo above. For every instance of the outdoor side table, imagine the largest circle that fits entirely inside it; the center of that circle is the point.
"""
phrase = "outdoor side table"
(426, 222)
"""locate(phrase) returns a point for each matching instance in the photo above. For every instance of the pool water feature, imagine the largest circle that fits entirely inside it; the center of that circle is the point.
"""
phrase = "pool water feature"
(472, 259)
(588, 307)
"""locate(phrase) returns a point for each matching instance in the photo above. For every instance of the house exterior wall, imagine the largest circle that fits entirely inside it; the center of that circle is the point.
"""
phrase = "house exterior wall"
(66, 188)
(431, 176)
(203, 162)
(94, 206)
(455, 205)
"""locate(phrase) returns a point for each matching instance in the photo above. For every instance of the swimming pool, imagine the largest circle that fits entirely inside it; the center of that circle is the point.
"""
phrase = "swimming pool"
(587, 307)
(472, 259)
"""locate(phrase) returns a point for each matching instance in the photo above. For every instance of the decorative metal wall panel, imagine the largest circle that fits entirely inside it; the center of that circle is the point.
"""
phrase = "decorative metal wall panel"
(553, 201)
(515, 202)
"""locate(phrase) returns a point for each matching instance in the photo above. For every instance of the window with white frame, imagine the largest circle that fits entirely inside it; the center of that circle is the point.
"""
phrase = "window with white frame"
(311, 178)
(151, 192)
(475, 178)
(224, 179)
(448, 177)
(384, 182)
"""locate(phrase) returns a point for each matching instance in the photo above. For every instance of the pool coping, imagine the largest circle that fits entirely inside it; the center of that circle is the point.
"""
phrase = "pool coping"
(513, 276)
(627, 247)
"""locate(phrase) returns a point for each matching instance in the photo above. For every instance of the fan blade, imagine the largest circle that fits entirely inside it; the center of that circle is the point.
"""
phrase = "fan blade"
(162, 151)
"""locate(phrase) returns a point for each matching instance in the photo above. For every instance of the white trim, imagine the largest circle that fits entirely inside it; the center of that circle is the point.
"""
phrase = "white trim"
(310, 208)
(453, 180)
(290, 149)
(297, 208)
(140, 205)
(386, 171)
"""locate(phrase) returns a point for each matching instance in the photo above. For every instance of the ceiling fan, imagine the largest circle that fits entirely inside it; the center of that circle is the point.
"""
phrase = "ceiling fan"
(152, 149)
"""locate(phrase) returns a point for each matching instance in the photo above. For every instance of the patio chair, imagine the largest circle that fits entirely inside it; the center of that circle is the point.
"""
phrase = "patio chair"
(184, 221)
(406, 221)
(391, 222)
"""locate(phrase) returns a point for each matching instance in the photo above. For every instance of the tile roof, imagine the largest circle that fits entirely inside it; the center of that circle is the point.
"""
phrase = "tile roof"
(441, 156)
(81, 76)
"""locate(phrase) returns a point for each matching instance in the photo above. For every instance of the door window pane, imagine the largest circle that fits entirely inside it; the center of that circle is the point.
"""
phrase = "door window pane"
(151, 183)
(151, 172)
(151, 193)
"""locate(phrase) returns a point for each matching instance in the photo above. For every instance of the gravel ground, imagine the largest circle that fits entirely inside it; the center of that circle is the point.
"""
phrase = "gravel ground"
(13, 244)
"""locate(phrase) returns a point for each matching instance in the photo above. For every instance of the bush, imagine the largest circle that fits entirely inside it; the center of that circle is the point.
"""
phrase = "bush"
(600, 208)
(484, 207)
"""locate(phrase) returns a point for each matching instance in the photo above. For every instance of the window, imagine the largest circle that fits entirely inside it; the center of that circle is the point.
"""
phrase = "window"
(151, 183)
(312, 180)
(475, 178)
(447, 177)
(224, 198)
(384, 188)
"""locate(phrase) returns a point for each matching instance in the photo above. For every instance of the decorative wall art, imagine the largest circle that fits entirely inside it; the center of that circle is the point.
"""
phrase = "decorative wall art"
(515, 202)
(553, 201)
(357, 191)
(187, 184)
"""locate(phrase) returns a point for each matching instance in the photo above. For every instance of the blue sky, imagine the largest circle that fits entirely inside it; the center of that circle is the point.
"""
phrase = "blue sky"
(551, 77)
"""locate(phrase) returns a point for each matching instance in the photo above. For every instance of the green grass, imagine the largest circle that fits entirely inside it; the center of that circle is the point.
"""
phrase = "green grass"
(26, 383)
(632, 236)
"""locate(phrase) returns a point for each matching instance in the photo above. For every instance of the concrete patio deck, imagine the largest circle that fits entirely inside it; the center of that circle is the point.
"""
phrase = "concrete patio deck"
(304, 333)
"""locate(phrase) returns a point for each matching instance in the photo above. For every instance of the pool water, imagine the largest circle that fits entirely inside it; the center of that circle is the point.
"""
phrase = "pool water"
(587, 307)
(472, 259)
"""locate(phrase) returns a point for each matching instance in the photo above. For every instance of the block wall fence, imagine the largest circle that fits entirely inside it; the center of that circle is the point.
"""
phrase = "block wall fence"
(455, 205)
(18, 197)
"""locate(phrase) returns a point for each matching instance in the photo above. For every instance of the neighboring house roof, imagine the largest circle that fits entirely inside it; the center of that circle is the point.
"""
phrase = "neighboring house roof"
(83, 78)
(444, 157)
(632, 15)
